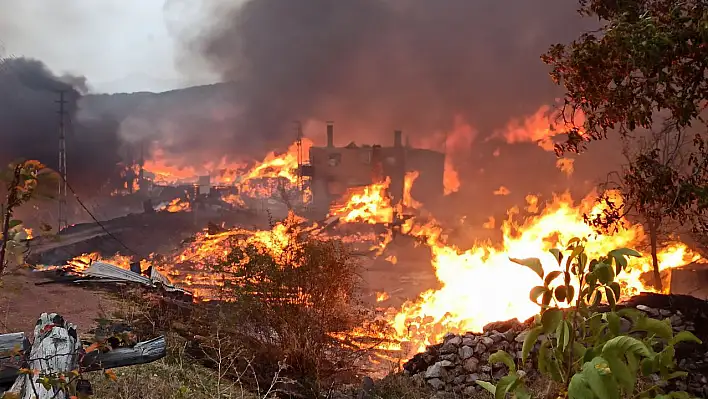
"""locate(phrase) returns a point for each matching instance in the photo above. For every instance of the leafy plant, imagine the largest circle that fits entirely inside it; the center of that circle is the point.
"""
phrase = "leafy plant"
(585, 350)
(24, 181)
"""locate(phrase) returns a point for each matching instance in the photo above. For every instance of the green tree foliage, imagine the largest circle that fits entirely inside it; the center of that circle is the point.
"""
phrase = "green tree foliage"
(645, 66)
(23, 181)
(584, 350)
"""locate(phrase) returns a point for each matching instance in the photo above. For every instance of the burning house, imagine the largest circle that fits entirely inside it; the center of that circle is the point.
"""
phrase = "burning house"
(335, 170)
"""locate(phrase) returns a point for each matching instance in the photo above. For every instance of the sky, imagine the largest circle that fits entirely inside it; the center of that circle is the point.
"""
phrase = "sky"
(118, 45)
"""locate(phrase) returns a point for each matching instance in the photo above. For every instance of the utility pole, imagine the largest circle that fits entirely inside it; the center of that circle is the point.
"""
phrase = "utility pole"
(300, 158)
(62, 163)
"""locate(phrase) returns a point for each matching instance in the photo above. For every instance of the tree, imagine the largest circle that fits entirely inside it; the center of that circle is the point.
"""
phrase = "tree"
(645, 66)
(24, 181)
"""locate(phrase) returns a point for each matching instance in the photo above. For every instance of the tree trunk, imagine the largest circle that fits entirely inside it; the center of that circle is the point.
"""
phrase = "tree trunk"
(653, 239)
(11, 198)
(55, 351)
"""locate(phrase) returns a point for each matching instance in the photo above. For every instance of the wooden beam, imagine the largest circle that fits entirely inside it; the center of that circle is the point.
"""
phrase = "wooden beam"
(141, 353)
(55, 350)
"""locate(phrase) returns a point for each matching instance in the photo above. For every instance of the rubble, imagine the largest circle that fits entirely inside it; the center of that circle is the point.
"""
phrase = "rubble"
(454, 365)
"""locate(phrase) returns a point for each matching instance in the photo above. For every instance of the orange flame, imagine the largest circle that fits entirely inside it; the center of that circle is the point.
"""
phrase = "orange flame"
(368, 204)
(540, 127)
(481, 285)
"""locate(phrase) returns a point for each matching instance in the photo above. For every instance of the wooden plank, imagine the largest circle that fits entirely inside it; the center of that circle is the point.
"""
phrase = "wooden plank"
(55, 350)
(142, 352)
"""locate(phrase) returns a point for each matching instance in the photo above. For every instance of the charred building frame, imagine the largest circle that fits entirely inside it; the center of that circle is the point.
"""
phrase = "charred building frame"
(334, 170)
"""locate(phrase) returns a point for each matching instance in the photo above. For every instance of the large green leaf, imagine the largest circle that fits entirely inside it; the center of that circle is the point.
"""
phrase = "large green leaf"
(529, 342)
(488, 386)
(550, 277)
(563, 335)
(557, 254)
(653, 326)
(600, 378)
(536, 292)
(621, 372)
(624, 344)
(505, 385)
(532, 263)
(613, 323)
(684, 336)
(14, 223)
(550, 319)
(579, 388)
(502, 357)
(604, 273)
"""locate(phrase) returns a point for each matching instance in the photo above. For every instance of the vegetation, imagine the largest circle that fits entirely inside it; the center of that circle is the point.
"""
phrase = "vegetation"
(24, 181)
(643, 71)
(588, 352)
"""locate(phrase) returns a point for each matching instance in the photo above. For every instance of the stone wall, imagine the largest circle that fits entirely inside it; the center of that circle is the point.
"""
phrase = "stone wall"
(460, 360)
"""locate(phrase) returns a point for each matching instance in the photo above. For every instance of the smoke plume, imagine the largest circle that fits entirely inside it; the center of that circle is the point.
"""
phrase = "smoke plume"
(29, 124)
(378, 65)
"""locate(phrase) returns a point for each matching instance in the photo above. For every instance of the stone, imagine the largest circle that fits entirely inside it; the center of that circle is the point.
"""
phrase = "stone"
(480, 348)
(676, 320)
(487, 341)
(664, 312)
(625, 325)
(471, 364)
(455, 340)
(486, 368)
(436, 370)
(448, 348)
(648, 310)
(470, 390)
(451, 357)
(472, 378)
(465, 352)
(459, 380)
(497, 337)
(469, 341)
(521, 337)
(418, 380)
(485, 377)
(436, 383)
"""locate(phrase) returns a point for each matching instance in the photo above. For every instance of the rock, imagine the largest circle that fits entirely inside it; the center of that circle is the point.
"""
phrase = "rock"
(436, 370)
(521, 337)
(367, 388)
(470, 390)
(676, 320)
(471, 364)
(459, 380)
(472, 378)
(480, 348)
(664, 312)
(465, 352)
(497, 337)
(455, 340)
(448, 348)
(469, 341)
(418, 380)
(625, 325)
(451, 357)
(486, 368)
(436, 383)
(487, 341)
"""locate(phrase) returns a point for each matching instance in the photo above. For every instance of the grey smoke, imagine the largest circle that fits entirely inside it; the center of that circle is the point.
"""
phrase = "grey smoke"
(377, 65)
(29, 123)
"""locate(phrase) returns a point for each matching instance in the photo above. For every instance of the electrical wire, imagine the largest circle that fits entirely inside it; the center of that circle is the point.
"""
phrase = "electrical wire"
(76, 196)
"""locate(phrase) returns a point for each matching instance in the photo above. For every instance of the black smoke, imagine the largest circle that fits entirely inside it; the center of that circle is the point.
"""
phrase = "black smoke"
(29, 124)
(378, 65)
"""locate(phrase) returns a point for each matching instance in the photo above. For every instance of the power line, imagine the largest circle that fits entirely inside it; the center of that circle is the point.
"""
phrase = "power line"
(99, 223)
(62, 224)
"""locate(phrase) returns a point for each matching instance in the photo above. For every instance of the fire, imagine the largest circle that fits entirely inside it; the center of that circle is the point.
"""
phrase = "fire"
(565, 165)
(29, 233)
(283, 166)
(82, 262)
(540, 127)
(481, 285)
(502, 191)
(368, 204)
(177, 205)
(451, 180)
(408, 181)
(382, 296)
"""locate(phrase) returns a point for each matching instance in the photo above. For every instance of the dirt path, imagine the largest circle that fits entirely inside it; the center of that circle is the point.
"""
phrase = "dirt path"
(21, 302)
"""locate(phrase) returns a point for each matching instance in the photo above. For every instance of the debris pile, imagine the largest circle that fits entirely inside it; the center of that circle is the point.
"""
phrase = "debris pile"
(455, 365)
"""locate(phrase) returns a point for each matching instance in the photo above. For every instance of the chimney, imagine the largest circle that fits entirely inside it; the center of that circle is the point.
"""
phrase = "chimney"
(397, 141)
(330, 134)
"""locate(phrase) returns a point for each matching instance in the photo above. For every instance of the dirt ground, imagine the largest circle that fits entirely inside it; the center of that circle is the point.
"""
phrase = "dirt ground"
(22, 301)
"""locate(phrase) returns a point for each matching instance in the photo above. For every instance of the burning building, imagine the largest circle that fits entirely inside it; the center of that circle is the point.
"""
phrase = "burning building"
(335, 170)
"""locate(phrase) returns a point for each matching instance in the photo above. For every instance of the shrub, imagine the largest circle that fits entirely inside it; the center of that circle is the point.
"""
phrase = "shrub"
(585, 350)
(287, 298)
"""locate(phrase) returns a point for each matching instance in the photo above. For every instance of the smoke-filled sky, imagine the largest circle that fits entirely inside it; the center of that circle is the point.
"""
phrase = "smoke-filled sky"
(119, 45)
(371, 66)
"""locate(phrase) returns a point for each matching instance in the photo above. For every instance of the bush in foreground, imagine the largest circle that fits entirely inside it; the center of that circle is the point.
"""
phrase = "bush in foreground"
(587, 352)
